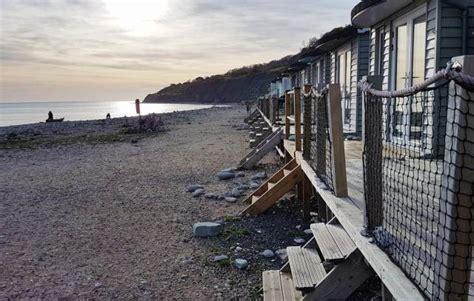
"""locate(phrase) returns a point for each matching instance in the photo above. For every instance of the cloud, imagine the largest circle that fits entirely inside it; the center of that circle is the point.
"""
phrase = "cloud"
(193, 38)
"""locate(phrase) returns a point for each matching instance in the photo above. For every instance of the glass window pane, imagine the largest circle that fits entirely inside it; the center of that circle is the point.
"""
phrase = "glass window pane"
(419, 50)
(348, 71)
(340, 68)
(402, 53)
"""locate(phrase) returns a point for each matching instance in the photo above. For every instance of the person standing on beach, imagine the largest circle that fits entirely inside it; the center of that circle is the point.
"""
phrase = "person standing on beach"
(50, 115)
(248, 108)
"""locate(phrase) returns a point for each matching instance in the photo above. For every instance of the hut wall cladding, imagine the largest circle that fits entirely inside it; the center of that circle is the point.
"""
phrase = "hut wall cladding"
(360, 63)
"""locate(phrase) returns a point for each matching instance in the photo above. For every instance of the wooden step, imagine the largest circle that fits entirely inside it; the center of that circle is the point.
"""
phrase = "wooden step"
(273, 189)
(254, 198)
(278, 286)
(306, 267)
(286, 172)
(333, 241)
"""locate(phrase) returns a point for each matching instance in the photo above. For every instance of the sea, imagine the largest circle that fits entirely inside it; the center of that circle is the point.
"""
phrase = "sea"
(33, 112)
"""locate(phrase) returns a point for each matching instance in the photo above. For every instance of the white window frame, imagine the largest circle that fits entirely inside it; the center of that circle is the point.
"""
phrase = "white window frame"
(409, 20)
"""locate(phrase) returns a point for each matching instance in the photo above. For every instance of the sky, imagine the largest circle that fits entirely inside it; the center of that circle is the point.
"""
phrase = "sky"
(114, 50)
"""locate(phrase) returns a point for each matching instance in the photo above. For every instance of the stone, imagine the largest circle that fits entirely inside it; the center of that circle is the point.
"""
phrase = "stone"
(240, 174)
(230, 199)
(238, 249)
(236, 192)
(260, 176)
(241, 264)
(254, 185)
(267, 254)
(308, 231)
(243, 187)
(194, 187)
(281, 253)
(211, 196)
(219, 258)
(207, 229)
(299, 240)
(198, 192)
(230, 169)
(225, 175)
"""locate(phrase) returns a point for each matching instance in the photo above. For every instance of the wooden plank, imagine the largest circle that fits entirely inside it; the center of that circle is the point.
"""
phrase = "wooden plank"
(288, 288)
(328, 246)
(336, 133)
(297, 110)
(287, 113)
(342, 239)
(342, 280)
(306, 267)
(351, 218)
(272, 290)
(261, 150)
(307, 196)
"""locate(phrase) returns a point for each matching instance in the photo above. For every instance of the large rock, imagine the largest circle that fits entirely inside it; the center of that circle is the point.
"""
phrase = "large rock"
(192, 188)
(241, 264)
(225, 175)
(207, 229)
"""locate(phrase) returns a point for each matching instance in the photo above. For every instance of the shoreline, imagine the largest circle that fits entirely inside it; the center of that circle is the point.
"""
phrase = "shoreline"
(132, 116)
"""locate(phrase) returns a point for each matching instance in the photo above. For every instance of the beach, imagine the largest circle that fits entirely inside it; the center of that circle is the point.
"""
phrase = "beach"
(90, 212)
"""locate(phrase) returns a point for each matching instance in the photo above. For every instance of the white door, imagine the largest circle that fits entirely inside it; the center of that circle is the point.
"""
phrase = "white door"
(409, 54)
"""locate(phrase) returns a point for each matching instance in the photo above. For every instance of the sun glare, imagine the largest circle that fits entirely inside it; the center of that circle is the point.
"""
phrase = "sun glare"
(136, 17)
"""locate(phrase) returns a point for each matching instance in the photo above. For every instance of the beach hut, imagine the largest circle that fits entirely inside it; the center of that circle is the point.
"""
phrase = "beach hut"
(409, 42)
(343, 59)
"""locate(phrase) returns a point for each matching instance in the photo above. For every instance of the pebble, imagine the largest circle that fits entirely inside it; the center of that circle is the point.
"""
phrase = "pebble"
(207, 229)
(299, 240)
(308, 231)
(260, 176)
(267, 254)
(194, 187)
(198, 192)
(220, 258)
(230, 199)
(238, 249)
(281, 253)
(243, 187)
(225, 175)
(240, 174)
(236, 192)
(211, 196)
(241, 264)
(254, 185)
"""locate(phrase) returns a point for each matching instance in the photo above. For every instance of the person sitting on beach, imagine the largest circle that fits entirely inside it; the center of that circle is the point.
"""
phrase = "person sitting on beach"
(50, 115)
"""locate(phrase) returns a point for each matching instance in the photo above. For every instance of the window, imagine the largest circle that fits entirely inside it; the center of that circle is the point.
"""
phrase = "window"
(409, 69)
(344, 76)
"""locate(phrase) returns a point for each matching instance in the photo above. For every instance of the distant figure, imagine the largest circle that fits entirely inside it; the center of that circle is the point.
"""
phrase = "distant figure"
(107, 116)
(50, 115)
(248, 109)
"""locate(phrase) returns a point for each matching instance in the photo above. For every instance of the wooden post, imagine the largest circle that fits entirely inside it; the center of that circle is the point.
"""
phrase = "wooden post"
(307, 122)
(456, 228)
(337, 138)
(287, 113)
(372, 157)
(297, 110)
(321, 125)
(307, 195)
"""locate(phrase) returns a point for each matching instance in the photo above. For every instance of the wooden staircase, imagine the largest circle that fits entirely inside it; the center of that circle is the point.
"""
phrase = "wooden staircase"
(273, 189)
(255, 114)
(261, 150)
(329, 267)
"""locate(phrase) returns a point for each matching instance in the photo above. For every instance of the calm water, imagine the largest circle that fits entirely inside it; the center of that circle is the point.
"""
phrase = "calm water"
(32, 112)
